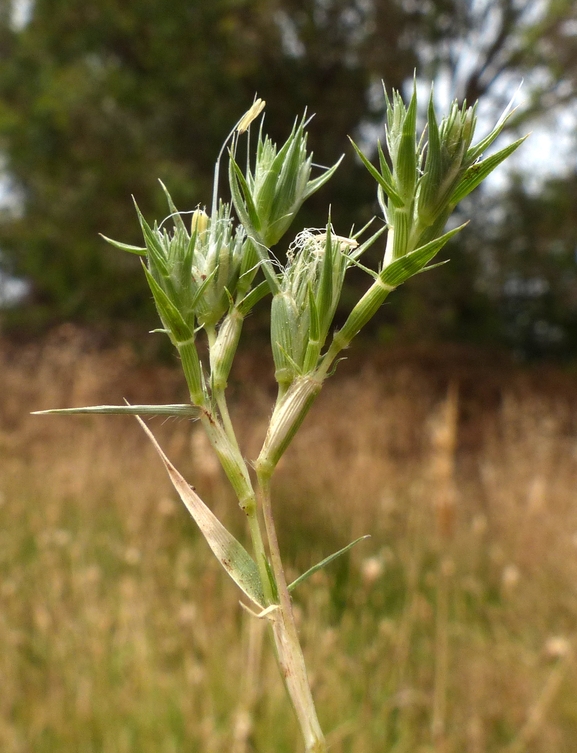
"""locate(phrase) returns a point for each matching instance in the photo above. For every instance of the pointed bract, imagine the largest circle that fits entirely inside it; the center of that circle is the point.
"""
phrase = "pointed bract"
(268, 196)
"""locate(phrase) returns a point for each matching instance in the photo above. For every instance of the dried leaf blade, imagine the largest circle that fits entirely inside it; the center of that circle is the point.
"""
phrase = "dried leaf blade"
(230, 553)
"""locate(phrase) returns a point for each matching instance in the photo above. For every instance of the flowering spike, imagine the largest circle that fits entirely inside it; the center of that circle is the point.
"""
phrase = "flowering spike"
(267, 198)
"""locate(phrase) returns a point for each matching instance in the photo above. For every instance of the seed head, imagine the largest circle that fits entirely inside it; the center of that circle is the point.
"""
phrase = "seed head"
(194, 275)
(303, 310)
(429, 175)
(270, 194)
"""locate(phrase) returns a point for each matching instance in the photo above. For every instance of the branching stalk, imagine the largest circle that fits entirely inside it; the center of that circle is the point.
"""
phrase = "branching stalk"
(235, 468)
(288, 650)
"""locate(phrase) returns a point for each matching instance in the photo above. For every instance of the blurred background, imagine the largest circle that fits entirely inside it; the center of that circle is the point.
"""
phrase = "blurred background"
(450, 434)
(100, 99)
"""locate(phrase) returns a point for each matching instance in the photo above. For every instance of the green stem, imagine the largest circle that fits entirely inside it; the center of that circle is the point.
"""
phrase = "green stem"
(234, 466)
(289, 653)
(259, 552)
(363, 312)
(222, 348)
(223, 438)
(225, 416)
(440, 683)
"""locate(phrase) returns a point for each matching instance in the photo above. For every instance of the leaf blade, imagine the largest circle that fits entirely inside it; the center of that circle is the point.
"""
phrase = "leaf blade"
(181, 409)
(325, 562)
(384, 181)
(478, 171)
(138, 250)
(229, 551)
(406, 266)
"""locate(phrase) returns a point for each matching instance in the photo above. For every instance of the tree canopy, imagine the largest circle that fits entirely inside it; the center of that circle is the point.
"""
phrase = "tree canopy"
(100, 99)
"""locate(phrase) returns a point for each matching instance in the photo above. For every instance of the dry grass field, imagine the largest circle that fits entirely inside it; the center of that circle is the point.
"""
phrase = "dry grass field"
(452, 630)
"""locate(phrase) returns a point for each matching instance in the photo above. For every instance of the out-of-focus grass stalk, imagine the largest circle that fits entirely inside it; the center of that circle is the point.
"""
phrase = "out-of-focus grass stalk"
(250, 684)
(537, 712)
(289, 652)
(439, 715)
(444, 440)
(402, 649)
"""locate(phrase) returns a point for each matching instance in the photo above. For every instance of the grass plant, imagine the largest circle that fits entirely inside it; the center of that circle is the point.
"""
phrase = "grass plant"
(204, 278)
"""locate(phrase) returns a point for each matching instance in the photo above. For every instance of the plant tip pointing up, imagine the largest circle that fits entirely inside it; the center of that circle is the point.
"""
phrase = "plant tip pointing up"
(250, 115)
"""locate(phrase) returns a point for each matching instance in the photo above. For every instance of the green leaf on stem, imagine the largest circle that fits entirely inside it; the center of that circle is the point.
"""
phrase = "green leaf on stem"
(478, 171)
(175, 214)
(155, 251)
(316, 183)
(385, 181)
(242, 197)
(139, 250)
(325, 562)
(401, 269)
(477, 150)
(185, 410)
(252, 298)
(169, 314)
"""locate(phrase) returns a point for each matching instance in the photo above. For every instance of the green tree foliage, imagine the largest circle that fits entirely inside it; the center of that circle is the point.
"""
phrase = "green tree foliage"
(478, 44)
(528, 269)
(98, 99)
(512, 278)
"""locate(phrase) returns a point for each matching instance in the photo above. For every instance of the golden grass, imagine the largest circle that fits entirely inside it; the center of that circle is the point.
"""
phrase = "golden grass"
(451, 630)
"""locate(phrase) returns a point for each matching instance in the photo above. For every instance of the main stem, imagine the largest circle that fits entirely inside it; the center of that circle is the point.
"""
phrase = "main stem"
(289, 653)
(288, 650)
(235, 468)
